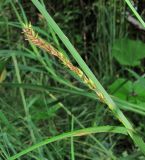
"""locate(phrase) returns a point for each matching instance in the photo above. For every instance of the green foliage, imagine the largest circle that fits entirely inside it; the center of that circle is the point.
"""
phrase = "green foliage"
(132, 91)
(128, 52)
(42, 102)
(121, 88)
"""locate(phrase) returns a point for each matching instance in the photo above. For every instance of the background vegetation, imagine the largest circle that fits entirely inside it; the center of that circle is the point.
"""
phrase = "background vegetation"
(41, 98)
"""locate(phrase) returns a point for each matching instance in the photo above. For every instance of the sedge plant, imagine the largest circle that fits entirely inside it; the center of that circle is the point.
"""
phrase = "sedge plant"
(35, 39)
(84, 73)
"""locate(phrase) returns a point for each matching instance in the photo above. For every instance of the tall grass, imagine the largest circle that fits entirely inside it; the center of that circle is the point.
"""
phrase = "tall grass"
(54, 107)
(113, 129)
(99, 89)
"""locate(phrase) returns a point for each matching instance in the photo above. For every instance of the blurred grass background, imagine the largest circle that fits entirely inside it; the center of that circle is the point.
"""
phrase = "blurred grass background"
(49, 96)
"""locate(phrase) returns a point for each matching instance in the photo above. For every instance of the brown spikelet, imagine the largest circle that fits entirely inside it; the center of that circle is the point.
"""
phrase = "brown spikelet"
(35, 39)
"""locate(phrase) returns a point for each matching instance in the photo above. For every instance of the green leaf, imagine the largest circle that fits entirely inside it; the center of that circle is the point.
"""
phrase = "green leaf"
(121, 88)
(128, 52)
(139, 89)
(131, 91)
(81, 132)
(135, 12)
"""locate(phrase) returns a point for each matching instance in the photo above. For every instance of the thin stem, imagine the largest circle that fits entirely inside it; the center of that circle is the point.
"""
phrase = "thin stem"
(135, 12)
(72, 140)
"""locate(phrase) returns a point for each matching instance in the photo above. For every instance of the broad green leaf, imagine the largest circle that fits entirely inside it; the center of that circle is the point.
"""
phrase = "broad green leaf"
(128, 52)
(133, 92)
(121, 88)
(139, 89)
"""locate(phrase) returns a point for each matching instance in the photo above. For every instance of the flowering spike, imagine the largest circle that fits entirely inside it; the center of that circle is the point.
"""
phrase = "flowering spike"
(36, 40)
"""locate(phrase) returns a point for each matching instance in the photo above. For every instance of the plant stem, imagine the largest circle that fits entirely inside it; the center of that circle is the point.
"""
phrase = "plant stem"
(135, 12)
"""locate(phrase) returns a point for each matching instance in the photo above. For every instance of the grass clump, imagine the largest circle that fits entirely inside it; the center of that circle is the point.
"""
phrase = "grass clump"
(47, 114)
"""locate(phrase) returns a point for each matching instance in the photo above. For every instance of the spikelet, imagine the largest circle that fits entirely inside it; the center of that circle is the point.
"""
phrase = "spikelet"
(36, 40)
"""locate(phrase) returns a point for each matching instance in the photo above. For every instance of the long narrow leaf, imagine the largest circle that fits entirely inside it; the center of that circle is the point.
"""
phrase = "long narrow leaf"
(107, 99)
(81, 132)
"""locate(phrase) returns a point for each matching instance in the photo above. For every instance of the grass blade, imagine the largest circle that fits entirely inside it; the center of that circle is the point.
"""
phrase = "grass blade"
(107, 99)
(135, 12)
(81, 132)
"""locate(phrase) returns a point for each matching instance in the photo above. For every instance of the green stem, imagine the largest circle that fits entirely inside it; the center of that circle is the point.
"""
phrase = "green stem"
(108, 100)
(135, 12)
